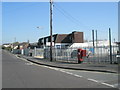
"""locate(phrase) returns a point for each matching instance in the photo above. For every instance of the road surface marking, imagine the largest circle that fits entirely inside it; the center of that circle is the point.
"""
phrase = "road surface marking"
(100, 82)
(68, 73)
(77, 75)
(53, 68)
(92, 80)
(108, 84)
(29, 63)
(62, 71)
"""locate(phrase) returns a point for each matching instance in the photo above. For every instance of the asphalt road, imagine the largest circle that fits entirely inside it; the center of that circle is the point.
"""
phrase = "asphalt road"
(19, 73)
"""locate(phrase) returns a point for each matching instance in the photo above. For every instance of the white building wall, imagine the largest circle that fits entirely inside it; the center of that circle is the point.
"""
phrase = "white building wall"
(61, 45)
(102, 47)
(6, 45)
(90, 44)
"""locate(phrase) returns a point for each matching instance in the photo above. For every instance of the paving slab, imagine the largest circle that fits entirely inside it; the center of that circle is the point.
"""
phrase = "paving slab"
(110, 68)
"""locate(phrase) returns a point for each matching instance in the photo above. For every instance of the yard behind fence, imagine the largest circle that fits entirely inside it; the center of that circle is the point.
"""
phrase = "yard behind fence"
(93, 55)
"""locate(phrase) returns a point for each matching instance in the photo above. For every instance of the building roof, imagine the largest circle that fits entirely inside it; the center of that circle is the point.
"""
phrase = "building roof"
(23, 43)
(33, 44)
(62, 38)
(6, 43)
(118, 42)
(15, 43)
(49, 36)
(74, 37)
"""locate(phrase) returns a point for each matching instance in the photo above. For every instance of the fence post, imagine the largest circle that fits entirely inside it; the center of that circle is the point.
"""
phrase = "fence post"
(35, 51)
(93, 42)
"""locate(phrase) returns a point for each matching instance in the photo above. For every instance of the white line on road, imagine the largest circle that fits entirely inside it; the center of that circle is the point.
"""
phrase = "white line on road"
(52, 68)
(62, 70)
(29, 63)
(100, 82)
(92, 80)
(69, 73)
(77, 75)
(108, 84)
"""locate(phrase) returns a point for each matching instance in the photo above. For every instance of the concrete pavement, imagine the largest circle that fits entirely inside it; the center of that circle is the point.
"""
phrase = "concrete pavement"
(83, 66)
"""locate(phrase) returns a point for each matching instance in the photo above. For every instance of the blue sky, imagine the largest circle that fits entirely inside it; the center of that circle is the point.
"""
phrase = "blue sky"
(20, 19)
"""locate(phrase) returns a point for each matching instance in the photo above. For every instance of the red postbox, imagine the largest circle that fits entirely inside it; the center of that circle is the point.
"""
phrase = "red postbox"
(81, 54)
(84, 53)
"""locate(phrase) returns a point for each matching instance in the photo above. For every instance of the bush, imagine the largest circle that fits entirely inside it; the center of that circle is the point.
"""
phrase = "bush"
(3, 47)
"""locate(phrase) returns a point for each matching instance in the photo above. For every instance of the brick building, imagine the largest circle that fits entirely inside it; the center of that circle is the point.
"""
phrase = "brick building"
(62, 40)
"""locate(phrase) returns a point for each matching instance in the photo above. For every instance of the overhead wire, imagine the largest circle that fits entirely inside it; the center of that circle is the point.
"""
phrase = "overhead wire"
(69, 16)
(65, 15)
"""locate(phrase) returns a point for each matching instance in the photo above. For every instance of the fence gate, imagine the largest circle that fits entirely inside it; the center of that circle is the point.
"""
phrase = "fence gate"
(39, 52)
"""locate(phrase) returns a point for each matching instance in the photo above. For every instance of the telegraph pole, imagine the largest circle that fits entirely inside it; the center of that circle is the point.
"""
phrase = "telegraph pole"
(93, 41)
(51, 30)
(110, 46)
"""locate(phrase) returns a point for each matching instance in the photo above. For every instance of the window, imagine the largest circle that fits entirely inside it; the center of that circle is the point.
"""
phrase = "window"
(53, 38)
(57, 46)
(46, 39)
(42, 40)
(70, 38)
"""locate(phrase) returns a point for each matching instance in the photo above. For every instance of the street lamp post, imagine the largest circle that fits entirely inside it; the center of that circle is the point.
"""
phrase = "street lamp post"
(40, 27)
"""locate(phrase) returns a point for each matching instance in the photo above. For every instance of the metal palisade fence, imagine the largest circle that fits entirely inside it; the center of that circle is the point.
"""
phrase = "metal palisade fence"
(93, 55)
